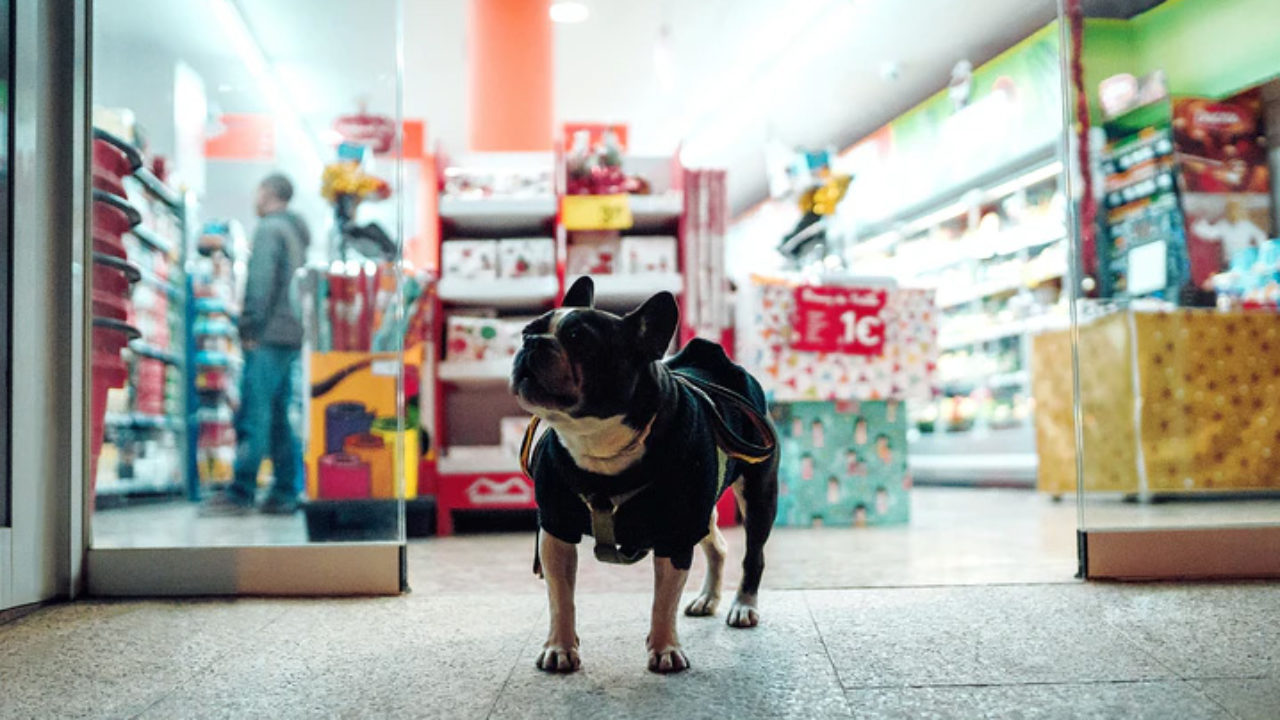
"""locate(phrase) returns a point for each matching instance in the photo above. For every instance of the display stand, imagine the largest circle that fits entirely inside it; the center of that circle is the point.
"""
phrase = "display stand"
(358, 448)
(1175, 403)
(480, 310)
(147, 445)
(837, 368)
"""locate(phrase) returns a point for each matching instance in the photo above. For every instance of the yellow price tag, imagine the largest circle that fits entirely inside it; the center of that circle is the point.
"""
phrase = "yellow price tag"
(596, 212)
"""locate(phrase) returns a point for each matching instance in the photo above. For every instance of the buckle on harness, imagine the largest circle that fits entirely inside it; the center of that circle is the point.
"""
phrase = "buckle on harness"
(603, 509)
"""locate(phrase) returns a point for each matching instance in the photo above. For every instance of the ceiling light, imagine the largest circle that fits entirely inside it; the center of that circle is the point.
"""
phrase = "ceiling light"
(569, 12)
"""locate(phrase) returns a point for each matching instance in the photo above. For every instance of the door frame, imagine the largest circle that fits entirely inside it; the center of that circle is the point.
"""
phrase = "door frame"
(316, 569)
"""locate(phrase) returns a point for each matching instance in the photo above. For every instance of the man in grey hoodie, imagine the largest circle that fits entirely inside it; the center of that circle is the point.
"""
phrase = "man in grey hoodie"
(271, 336)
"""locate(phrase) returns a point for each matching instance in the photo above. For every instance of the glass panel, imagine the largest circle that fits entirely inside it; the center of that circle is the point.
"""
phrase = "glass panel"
(1176, 309)
(248, 290)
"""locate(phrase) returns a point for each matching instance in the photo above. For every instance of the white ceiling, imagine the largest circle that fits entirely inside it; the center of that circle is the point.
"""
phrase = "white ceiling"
(806, 72)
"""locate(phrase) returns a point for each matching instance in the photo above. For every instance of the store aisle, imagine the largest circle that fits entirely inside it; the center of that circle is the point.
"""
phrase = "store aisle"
(1040, 650)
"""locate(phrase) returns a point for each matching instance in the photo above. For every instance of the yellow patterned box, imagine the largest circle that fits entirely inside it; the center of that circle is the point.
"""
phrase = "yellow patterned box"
(1184, 401)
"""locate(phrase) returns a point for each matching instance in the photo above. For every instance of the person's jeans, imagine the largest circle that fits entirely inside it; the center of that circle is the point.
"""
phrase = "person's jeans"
(263, 426)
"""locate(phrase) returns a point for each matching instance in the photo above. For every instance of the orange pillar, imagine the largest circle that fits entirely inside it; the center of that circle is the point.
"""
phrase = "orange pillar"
(510, 74)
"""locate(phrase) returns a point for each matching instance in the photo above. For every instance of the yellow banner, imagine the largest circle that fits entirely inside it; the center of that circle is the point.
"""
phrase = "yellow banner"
(596, 212)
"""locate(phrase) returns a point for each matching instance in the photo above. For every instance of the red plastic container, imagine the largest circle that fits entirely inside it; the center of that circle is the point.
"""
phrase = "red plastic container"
(110, 305)
(113, 275)
(109, 371)
(149, 388)
(108, 182)
(343, 477)
(110, 158)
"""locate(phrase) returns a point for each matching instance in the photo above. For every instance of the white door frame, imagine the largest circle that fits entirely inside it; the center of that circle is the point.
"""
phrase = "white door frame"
(44, 547)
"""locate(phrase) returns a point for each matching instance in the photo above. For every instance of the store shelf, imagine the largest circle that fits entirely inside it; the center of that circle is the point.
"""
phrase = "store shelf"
(155, 353)
(655, 212)
(628, 291)
(142, 420)
(504, 293)
(167, 286)
(464, 460)
(153, 184)
(497, 215)
(976, 292)
(1018, 378)
(139, 487)
(489, 372)
(154, 241)
(1025, 326)
(985, 290)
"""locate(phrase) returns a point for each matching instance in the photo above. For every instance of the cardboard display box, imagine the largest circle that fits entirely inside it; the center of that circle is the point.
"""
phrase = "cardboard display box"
(844, 463)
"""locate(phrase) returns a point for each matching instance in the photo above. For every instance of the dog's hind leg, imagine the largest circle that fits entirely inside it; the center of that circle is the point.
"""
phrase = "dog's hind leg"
(715, 549)
(758, 500)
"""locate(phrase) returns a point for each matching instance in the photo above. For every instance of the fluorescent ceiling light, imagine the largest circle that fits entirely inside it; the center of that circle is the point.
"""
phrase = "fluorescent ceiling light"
(250, 52)
(569, 12)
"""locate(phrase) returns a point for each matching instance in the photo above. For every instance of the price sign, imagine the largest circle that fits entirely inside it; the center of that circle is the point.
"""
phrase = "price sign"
(596, 212)
(839, 320)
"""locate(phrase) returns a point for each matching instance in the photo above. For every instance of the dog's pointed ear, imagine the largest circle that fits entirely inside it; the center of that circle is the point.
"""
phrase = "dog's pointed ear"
(653, 323)
(581, 294)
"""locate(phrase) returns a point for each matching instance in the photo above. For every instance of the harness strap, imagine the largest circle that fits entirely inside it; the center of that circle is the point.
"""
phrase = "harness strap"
(733, 444)
(603, 508)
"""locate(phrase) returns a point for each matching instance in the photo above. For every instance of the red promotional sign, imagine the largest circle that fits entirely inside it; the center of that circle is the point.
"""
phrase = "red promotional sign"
(595, 133)
(243, 137)
(376, 131)
(839, 320)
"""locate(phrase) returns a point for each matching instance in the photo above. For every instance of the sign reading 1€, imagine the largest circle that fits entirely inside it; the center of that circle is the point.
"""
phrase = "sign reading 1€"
(839, 320)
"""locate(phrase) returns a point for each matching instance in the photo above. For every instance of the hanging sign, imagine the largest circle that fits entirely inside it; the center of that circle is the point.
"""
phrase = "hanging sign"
(378, 132)
(843, 320)
(596, 212)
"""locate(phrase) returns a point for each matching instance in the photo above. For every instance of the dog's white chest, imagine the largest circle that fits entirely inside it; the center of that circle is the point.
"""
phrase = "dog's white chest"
(605, 446)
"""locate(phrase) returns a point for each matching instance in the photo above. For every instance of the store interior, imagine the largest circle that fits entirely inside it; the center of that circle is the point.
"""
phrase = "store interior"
(759, 160)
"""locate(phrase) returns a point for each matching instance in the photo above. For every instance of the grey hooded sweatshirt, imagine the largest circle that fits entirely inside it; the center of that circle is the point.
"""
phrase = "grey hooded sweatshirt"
(279, 249)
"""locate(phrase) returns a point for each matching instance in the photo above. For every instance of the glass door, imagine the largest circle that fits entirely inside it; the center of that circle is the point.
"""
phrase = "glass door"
(1174, 433)
(248, 299)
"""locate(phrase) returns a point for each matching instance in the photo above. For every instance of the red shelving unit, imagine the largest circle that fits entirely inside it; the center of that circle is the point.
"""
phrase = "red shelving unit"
(469, 469)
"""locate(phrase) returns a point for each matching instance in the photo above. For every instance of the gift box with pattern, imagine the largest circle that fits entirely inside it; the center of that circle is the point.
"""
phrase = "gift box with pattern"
(644, 254)
(526, 257)
(905, 370)
(480, 339)
(469, 259)
(594, 253)
(843, 463)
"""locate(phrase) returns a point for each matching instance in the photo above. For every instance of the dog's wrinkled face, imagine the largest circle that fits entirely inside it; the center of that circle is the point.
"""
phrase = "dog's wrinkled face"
(582, 362)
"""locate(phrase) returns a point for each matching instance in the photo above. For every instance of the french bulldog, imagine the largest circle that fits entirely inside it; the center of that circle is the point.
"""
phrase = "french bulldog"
(628, 434)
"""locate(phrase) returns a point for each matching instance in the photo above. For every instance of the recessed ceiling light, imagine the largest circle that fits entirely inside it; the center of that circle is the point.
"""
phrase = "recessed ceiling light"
(568, 12)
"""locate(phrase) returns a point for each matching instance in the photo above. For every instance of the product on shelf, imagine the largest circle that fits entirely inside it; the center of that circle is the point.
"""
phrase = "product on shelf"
(475, 183)
(648, 254)
(468, 259)
(511, 433)
(526, 257)
(478, 339)
(594, 253)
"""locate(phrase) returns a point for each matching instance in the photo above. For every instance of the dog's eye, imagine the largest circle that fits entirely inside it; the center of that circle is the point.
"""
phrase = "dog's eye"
(573, 335)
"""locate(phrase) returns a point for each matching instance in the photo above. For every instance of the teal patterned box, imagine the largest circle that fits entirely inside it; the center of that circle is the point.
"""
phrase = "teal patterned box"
(844, 463)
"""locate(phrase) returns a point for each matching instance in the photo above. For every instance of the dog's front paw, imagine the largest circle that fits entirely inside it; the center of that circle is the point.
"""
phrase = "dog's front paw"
(556, 658)
(744, 613)
(668, 659)
(703, 606)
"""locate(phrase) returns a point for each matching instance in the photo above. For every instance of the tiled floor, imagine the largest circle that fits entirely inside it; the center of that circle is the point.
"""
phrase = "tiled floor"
(1027, 651)
(971, 611)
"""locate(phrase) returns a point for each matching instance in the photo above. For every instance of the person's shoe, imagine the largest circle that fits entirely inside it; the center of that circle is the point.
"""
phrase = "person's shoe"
(279, 506)
(223, 505)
